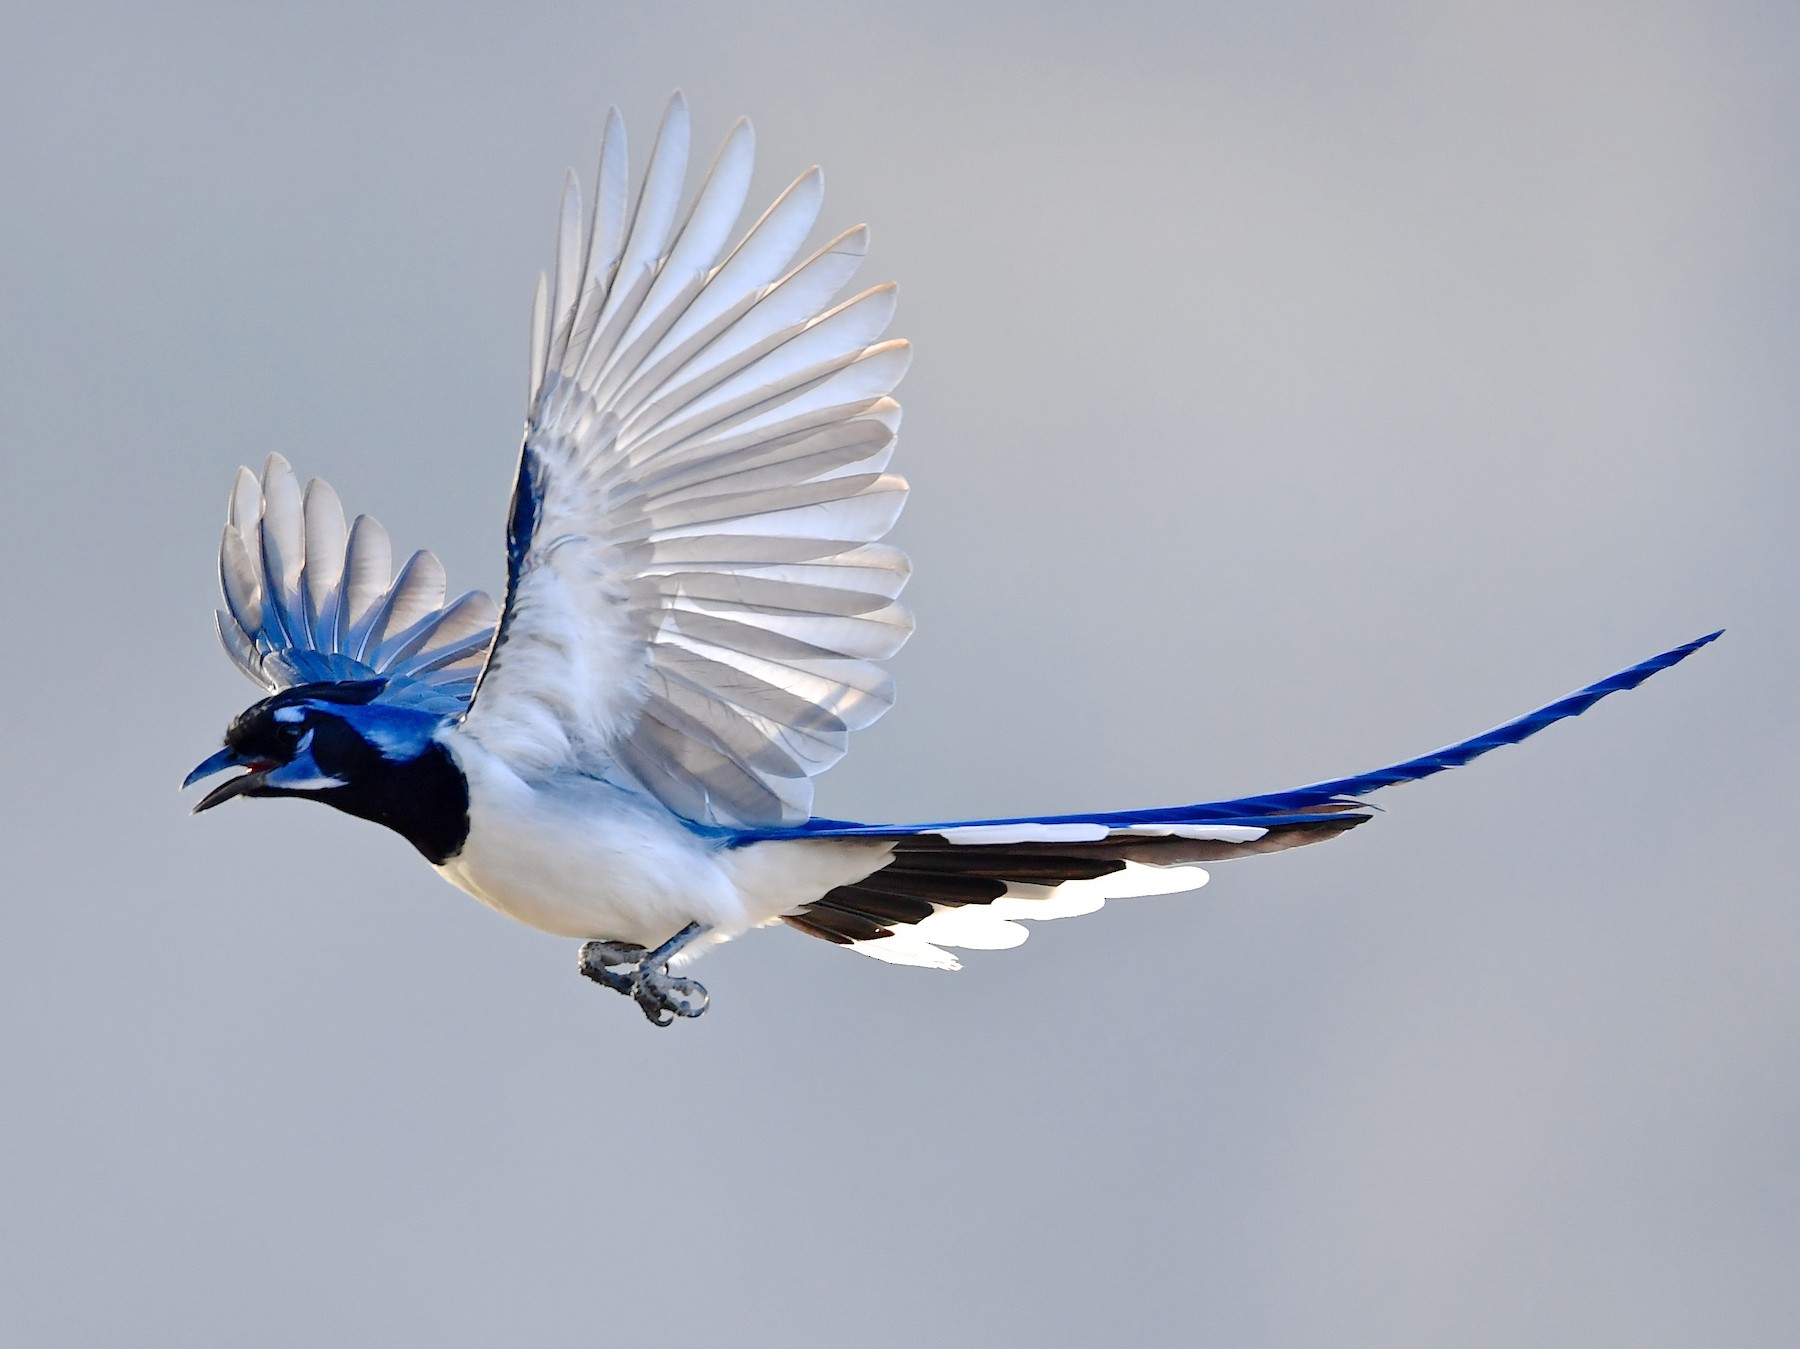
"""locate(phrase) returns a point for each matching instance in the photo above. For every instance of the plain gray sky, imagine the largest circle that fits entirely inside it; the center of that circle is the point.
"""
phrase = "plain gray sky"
(1298, 387)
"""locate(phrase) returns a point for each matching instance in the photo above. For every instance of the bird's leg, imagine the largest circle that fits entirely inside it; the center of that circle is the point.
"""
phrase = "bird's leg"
(600, 959)
(662, 995)
(644, 976)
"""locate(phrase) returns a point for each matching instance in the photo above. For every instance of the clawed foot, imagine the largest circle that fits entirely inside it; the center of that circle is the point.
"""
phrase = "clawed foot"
(644, 976)
(600, 961)
(665, 996)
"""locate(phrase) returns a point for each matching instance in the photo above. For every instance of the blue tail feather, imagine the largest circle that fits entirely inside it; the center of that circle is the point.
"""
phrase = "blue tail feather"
(1455, 756)
(1302, 804)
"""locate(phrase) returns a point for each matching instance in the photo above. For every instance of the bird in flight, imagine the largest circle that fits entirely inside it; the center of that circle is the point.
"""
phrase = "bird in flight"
(696, 606)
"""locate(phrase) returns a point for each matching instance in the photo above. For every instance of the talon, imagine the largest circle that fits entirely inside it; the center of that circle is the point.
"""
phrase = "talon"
(694, 997)
(644, 976)
(597, 961)
(665, 997)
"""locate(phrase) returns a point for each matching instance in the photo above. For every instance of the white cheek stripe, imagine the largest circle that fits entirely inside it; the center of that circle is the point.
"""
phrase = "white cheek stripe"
(311, 783)
(308, 784)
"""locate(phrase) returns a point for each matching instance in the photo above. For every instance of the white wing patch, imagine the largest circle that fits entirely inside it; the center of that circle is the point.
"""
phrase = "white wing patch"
(994, 926)
(970, 884)
(697, 595)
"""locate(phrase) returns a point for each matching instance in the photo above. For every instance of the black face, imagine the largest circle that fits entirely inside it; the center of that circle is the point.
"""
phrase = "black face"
(328, 743)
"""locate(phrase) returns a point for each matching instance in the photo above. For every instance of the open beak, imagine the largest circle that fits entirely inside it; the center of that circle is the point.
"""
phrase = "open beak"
(217, 764)
(237, 786)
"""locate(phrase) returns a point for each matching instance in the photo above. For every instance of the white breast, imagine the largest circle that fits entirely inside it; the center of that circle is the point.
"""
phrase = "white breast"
(581, 858)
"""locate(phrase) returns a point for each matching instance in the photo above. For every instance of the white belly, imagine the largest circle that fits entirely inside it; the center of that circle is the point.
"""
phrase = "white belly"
(580, 858)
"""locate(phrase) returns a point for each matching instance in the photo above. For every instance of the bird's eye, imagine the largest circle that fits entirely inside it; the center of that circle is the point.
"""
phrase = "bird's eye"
(288, 724)
(284, 736)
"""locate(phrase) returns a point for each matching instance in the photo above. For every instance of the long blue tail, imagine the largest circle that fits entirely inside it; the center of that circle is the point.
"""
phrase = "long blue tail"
(1455, 756)
(1299, 806)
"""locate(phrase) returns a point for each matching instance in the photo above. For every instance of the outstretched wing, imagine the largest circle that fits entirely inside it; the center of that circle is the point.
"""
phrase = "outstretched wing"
(694, 593)
(309, 599)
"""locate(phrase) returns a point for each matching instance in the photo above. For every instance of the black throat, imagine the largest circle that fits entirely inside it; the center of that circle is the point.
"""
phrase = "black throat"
(424, 800)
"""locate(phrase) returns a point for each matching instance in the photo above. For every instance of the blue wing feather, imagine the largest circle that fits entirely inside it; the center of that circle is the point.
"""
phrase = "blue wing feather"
(333, 613)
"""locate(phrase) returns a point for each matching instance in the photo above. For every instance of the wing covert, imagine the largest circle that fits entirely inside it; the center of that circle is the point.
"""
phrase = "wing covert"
(696, 594)
(310, 599)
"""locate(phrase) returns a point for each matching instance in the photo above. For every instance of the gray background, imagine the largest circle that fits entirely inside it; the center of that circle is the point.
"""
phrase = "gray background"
(1298, 387)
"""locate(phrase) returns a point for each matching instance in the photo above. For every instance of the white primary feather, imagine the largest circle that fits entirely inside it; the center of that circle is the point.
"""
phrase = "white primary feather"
(700, 601)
